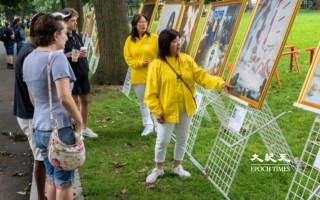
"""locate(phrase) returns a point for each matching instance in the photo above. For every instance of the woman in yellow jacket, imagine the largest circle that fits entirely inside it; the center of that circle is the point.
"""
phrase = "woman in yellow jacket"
(139, 50)
(27, 31)
(169, 96)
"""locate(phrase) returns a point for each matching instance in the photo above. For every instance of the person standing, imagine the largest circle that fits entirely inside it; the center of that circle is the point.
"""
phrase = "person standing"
(139, 50)
(80, 68)
(27, 30)
(9, 45)
(19, 37)
(169, 96)
(23, 109)
(49, 41)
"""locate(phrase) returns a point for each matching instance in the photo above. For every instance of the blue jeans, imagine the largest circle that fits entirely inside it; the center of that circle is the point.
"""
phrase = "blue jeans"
(9, 50)
(59, 177)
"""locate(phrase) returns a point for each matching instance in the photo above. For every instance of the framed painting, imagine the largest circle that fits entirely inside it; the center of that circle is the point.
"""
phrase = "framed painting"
(169, 16)
(96, 48)
(149, 8)
(188, 23)
(90, 26)
(310, 93)
(261, 49)
(85, 10)
(218, 34)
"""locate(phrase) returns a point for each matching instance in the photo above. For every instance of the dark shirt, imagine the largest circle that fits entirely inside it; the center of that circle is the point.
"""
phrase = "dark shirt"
(9, 41)
(80, 68)
(22, 106)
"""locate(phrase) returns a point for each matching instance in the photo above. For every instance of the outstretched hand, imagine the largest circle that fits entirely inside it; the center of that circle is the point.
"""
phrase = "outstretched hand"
(227, 87)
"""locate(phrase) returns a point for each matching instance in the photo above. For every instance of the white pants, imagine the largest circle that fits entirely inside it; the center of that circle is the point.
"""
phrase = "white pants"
(164, 133)
(26, 127)
(145, 112)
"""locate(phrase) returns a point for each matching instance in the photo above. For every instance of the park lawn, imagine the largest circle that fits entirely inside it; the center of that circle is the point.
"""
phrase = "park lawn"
(120, 159)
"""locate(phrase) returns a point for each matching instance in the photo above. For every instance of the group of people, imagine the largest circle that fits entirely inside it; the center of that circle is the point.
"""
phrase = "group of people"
(52, 39)
(18, 33)
(164, 84)
(164, 81)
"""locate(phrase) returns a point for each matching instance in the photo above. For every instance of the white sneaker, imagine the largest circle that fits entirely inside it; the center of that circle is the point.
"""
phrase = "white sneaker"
(154, 175)
(180, 171)
(147, 131)
(88, 132)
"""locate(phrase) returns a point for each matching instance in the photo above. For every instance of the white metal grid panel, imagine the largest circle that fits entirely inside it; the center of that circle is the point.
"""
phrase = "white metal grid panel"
(207, 99)
(93, 64)
(194, 129)
(305, 183)
(127, 84)
(218, 105)
(223, 161)
(272, 135)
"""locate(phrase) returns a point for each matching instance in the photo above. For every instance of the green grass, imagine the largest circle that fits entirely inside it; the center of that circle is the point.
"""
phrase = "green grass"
(120, 159)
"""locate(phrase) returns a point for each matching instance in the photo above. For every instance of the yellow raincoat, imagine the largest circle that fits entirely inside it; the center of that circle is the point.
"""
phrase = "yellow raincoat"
(161, 88)
(137, 52)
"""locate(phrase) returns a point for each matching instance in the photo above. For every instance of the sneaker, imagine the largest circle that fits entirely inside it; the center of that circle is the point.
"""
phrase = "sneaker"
(147, 131)
(180, 171)
(154, 175)
(88, 132)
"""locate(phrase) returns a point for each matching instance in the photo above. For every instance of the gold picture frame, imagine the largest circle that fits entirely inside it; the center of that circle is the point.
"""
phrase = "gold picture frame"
(217, 35)
(261, 48)
(149, 8)
(90, 26)
(169, 17)
(85, 10)
(188, 23)
(310, 92)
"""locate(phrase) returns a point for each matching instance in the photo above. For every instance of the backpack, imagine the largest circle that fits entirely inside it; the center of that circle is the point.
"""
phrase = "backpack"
(17, 37)
(3, 34)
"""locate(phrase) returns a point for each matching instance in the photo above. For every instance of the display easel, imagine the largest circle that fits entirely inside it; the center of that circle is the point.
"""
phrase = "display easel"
(208, 98)
(305, 183)
(127, 84)
(90, 41)
(229, 146)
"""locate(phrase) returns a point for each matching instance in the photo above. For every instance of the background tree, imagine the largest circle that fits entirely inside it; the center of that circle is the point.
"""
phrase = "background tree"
(113, 30)
(63, 4)
(316, 5)
(12, 8)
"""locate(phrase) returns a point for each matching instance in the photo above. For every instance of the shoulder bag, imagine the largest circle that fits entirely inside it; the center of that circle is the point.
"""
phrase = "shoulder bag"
(62, 156)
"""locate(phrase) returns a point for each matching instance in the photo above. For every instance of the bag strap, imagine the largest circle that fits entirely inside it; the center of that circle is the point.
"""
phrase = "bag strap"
(49, 90)
(179, 76)
(54, 123)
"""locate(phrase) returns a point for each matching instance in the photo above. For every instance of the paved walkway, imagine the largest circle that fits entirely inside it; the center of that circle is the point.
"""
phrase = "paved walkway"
(15, 154)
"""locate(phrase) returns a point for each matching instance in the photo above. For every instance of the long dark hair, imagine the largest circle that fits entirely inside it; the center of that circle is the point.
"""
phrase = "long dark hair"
(134, 31)
(165, 38)
(173, 14)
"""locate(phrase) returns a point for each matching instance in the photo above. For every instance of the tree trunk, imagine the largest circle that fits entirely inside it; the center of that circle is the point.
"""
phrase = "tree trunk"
(9, 16)
(63, 4)
(22, 13)
(70, 3)
(316, 5)
(78, 7)
(54, 6)
(113, 30)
